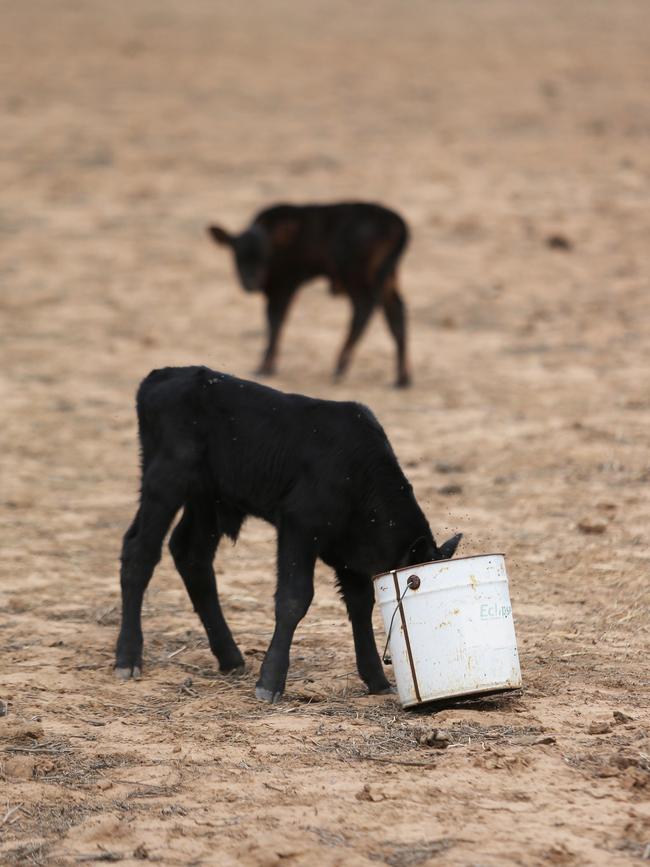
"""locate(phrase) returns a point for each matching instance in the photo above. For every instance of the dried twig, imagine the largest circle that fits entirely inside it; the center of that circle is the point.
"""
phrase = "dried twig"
(101, 856)
(388, 761)
(9, 814)
(43, 749)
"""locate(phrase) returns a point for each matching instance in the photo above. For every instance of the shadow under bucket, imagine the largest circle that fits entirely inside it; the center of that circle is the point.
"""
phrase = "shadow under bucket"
(450, 628)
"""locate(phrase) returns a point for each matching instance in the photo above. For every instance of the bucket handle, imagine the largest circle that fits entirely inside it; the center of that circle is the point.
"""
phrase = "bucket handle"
(412, 584)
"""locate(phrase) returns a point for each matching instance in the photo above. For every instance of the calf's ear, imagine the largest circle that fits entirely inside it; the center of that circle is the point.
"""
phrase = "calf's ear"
(219, 235)
(448, 548)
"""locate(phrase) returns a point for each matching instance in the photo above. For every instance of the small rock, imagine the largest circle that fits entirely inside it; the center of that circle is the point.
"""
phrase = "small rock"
(438, 738)
(140, 852)
(366, 795)
(4, 708)
(557, 241)
(592, 528)
(599, 727)
(628, 759)
(535, 740)
(621, 717)
(102, 785)
(607, 772)
(444, 467)
(449, 490)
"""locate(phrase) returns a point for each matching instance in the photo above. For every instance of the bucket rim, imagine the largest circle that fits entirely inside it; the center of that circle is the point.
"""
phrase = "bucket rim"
(436, 562)
(471, 694)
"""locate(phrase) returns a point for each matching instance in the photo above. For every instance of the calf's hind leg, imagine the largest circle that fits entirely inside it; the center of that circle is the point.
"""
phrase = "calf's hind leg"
(295, 590)
(362, 308)
(358, 594)
(395, 313)
(141, 551)
(193, 545)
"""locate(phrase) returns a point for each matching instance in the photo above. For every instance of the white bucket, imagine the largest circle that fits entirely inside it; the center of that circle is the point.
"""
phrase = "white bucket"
(452, 633)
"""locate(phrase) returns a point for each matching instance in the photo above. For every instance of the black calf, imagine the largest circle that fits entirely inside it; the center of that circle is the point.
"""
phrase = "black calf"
(356, 245)
(322, 472)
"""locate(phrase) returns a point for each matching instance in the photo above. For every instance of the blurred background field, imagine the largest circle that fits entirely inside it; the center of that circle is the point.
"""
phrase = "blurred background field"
(492, 127)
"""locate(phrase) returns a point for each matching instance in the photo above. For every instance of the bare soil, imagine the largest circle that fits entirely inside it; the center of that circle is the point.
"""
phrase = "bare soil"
(493, 127)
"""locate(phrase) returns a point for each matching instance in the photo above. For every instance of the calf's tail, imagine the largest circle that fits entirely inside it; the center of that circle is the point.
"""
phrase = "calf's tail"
(147, 416)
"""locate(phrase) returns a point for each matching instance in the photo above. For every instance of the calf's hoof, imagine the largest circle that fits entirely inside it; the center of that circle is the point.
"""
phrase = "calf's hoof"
(231, 662)
(385, 690)
(128, 672)
(380, 686)
(263, 694)
(403, 381)
(235, 671)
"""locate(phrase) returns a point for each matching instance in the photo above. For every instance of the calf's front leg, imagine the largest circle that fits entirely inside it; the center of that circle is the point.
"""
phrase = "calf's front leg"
(277, 306)
(295, 590)
(359, 597)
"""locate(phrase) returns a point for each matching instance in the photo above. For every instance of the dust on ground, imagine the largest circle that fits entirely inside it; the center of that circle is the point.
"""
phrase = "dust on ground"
(494, 127)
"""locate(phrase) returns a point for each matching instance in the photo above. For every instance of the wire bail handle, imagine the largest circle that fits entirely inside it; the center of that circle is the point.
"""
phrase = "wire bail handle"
(412, 583)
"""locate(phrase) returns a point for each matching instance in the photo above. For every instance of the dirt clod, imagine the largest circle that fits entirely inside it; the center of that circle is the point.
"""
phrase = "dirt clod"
(437, 738)
(450, 490)
(18, 768)
(559, 242)
(447, 468)
(599, 727)
(20, 731)
(592, 528)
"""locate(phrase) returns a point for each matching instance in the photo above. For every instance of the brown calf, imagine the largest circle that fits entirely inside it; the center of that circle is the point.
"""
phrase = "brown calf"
(356, 245)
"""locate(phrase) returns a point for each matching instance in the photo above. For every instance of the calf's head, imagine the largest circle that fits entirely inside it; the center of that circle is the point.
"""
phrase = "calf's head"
(251, 249)
(424, 549)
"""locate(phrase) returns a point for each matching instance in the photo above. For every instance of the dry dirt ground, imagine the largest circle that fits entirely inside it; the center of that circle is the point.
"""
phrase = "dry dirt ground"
(491, 125)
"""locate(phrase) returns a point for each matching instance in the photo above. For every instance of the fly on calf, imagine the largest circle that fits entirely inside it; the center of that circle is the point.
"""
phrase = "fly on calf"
(355, 245)
(322, 472)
